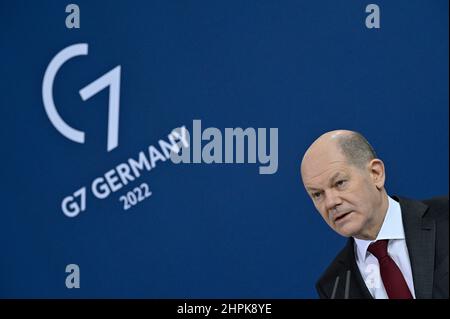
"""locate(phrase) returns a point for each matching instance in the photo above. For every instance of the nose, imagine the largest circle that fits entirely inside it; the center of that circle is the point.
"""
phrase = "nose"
(332, 200)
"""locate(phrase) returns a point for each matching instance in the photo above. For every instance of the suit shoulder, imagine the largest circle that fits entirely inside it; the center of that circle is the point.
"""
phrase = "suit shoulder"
(438, 206)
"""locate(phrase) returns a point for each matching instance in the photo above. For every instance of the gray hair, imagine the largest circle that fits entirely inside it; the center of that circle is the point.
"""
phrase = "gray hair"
(356, 149)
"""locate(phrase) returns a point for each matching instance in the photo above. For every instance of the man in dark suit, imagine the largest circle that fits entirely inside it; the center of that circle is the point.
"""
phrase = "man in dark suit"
(397, 247)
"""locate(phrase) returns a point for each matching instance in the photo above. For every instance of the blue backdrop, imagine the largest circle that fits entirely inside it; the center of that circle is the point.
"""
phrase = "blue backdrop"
(208, 230)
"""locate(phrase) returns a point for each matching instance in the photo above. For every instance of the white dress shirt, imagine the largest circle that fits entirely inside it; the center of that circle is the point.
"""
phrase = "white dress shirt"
(391, 229)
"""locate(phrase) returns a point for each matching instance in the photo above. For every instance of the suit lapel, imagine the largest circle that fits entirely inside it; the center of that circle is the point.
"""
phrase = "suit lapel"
(349, 271)
(420, 240)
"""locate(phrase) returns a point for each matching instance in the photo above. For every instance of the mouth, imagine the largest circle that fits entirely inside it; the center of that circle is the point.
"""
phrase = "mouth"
(341, 217)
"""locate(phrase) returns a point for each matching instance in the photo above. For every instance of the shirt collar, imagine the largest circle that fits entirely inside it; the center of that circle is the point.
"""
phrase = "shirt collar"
(392, 228)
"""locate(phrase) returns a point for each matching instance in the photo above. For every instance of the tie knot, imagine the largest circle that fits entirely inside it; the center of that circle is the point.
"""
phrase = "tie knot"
(379, 249)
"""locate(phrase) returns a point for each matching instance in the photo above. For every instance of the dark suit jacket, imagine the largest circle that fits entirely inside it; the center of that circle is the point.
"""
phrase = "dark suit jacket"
(426, 232)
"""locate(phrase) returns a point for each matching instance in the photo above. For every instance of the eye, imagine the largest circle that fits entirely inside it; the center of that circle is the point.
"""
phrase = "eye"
(341, 183)
(316, 195)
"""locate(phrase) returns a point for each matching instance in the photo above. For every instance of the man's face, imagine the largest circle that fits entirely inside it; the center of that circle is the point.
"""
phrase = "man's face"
(346, 196)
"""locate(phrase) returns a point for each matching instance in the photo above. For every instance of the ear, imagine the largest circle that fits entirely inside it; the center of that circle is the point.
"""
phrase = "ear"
(377, 172)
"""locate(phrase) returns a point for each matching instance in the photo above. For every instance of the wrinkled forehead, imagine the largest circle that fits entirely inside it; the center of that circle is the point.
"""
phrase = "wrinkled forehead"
(322, 162)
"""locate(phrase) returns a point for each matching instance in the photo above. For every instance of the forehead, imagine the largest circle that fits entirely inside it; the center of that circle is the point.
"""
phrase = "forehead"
(322, 164)
(317, 175)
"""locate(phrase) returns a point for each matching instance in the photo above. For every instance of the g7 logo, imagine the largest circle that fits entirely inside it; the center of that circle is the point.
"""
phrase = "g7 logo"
(110, 79)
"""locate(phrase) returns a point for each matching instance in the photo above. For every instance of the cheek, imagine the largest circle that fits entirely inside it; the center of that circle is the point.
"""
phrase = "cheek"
(359, 221)
(362, 205)
(322, 211)
(357, 199)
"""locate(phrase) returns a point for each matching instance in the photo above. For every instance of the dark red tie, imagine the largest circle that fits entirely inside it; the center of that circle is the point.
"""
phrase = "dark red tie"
(392, 277)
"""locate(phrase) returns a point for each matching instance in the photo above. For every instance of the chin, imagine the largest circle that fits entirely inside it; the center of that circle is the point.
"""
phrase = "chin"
(349, 229)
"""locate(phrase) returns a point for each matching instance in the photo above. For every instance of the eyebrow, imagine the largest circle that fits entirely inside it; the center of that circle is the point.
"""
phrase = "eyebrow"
(332, 180)
(335, 176)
